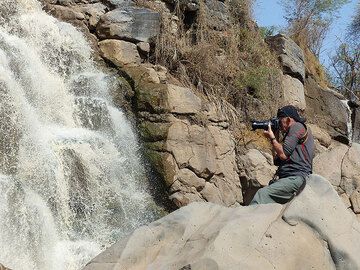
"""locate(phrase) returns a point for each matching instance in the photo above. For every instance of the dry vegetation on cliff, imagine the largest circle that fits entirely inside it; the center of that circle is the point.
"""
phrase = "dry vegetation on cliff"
(224, 62)
(312, 64)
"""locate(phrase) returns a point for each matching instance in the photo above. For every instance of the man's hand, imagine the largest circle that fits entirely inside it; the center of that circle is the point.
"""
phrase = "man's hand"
(277, 147)
(269, 133)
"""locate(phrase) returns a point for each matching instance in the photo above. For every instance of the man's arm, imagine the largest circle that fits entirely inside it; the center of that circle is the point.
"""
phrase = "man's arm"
(283, 151)
(277, 147)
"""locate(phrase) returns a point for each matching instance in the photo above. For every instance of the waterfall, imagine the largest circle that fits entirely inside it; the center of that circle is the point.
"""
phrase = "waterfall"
(71, 180)
(349, 125)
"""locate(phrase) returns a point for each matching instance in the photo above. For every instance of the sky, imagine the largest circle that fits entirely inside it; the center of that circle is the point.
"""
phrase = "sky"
(269, 13)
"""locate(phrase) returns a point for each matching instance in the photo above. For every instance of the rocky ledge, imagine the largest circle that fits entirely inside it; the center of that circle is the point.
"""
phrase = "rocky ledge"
(314, 231)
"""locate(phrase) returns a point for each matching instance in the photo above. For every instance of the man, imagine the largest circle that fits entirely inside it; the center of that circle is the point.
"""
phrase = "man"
(293, 157)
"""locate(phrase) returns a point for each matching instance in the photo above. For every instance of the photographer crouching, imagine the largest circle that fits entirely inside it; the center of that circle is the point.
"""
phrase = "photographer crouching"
(293, 156)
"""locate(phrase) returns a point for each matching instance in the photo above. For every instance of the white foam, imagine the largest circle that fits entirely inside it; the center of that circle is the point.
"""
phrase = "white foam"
(71, 179)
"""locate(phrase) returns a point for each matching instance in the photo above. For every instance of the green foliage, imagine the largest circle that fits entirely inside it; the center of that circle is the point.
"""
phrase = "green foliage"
(266, 31)
(254, 80)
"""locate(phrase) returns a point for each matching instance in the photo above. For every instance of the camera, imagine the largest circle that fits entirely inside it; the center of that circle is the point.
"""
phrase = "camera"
(274, 123)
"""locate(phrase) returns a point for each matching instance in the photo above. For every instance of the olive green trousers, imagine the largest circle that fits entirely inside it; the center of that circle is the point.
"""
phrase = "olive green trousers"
(281, 191)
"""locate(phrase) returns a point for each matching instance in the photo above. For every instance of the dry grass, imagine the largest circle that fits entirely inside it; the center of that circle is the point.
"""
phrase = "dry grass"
(227, 64)
(312, 64)
(314, 68)
(247, 138)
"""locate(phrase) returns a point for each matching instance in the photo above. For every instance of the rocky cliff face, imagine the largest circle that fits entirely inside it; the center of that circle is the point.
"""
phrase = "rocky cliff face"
(203, 152)
(189, 140)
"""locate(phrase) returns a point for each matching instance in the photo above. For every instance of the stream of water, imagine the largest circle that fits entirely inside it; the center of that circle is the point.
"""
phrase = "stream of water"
(71, 180)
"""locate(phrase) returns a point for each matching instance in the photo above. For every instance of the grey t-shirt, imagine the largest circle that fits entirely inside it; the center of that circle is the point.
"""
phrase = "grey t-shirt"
(300, 154)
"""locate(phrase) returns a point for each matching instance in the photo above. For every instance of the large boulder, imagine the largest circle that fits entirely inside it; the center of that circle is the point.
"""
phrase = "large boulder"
(129, 23)
(319, 207)
(291, 58)
(92, 13)
(293, 92)
(315, 231)
(119, 52)
(290, 54)
(329, 163)
(329, 110)
(351, 170)
(218, 13)
(320, 135)
(257, 168)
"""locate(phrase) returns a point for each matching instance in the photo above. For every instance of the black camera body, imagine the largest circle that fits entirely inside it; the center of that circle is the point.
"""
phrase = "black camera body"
(274, 123)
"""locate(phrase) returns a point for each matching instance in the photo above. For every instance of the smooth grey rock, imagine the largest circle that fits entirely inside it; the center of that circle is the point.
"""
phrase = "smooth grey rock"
(293, 92)
(314, 231)
(320, 135)
(290, 54)
(144, 48)
(218, 14)
(92, 13)
(351, 169)
(327, 109)
(329, 163)
(119, 52)
(257, 168)
(320, 207)
(129, 23)
(182, 100)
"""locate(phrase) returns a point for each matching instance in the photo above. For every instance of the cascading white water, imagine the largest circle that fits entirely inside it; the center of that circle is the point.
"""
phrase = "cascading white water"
(349, 125)
(71, 181)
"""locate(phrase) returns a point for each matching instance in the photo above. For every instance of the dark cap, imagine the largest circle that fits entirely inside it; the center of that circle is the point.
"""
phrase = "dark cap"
(290, 111)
